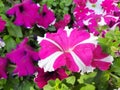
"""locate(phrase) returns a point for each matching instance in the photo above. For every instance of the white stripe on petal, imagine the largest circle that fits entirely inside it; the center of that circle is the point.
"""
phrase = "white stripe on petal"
(92, 39)
(48, 62)
(102, 22)
(108, 59)
(39, 39)
(53, 42)
(68, 30)
(82, 67)
(86, 22)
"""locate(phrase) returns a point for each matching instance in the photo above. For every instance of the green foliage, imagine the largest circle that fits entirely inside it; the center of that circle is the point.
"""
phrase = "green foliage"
(110, 43)
(14, 30)
(10, 43)
(60, 7)
(71, 80)
(88, 86)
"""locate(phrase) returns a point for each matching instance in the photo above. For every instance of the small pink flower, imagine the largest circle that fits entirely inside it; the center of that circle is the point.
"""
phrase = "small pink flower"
(42, 77)
(23, 56)
(109, 5)
(63, 23)
(2, 24)
(80, 2)
(26, 13)
(101, 60)
(3, 65)
(67, 47)
(46, 17)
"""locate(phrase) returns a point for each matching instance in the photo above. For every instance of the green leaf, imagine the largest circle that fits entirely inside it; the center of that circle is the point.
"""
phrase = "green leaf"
(2, 82)
(25, 85)
(88, 87)
(64, 87)
(116, 66)
(62, 5)
(1, 4)
(51, 28)
(49, 2)
(87, 78)
(11, 83)
(102, 80)
(68, 2)
(71, 80)
(48, 87)
(14, 30)
(51, 83)
(9, 42)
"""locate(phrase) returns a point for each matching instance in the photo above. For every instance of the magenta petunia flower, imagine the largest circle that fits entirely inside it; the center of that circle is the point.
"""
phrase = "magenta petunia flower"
(2, 24)
(95, 13)
(26, 13)
(3, 64)
(101, 60)
(63, 23)
(42, 77)
(46, 17)
(23, 56)
(67, 47)
(110, 5)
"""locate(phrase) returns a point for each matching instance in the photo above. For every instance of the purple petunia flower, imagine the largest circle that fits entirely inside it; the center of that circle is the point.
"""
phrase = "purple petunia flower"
(3, 64)
(63, 23)
(42, 77)
(2, 24)
(46, 17)
(26, 13)
(67, 47)
(23, 56)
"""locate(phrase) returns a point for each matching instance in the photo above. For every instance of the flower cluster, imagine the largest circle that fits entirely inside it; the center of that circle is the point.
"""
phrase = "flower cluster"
(75, 49)
(95, 13)
(27, 14)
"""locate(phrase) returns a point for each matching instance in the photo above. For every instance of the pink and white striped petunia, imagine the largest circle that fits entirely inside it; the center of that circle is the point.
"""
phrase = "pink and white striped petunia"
(101, 60)
(68, 47)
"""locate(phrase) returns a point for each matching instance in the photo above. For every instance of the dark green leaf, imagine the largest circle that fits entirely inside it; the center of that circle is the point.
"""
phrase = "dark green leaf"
(10, 43)
(14, 30)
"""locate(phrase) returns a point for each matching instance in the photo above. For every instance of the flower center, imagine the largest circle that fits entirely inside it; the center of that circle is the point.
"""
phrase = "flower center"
(93, 5)
(21, 8)
(24, 52)
(43, 14)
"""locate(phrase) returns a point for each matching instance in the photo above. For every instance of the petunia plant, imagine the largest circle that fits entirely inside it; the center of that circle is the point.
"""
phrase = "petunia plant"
(59, 45)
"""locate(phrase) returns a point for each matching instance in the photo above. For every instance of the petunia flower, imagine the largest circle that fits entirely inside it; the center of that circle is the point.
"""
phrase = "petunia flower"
(95, 5)
(3, 64)
(68, 47)
(101, 60)
(95, 14)
(23, 56)
(110, 5)
(2, 24)
(26, 13)
(80, 2)
(63, 23)
(46, 17)
(2, 43)
(42, 77)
